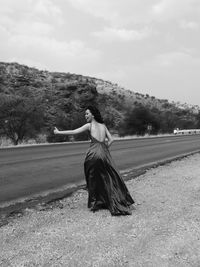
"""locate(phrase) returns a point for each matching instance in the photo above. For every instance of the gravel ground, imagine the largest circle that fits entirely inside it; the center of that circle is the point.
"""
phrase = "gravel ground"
(164, 229)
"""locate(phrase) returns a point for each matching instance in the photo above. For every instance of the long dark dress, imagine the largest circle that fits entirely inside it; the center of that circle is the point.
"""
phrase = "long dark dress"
(106, 188)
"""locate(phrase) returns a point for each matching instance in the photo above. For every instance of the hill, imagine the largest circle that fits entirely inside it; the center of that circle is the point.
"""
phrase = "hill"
(64, 96)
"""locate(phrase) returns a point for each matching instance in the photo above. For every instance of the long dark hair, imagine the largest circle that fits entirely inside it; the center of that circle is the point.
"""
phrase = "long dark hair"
(96, 113)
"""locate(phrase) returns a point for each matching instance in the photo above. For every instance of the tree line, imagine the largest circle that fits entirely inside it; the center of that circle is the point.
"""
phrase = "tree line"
(25, 114)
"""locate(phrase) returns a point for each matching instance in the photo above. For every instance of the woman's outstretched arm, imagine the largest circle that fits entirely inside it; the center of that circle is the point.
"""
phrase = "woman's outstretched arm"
(72, 132)
(109, 136)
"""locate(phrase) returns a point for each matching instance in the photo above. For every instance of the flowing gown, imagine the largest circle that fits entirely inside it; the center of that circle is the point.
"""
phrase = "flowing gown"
(106, 188)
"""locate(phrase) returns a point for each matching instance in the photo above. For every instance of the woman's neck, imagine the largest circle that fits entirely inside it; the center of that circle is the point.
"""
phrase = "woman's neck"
(94, 121)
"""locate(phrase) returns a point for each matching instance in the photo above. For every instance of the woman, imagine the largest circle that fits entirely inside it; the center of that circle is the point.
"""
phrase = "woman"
(106, 188)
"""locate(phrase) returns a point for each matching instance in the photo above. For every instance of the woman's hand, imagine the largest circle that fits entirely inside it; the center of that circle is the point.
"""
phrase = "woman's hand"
(55, 131)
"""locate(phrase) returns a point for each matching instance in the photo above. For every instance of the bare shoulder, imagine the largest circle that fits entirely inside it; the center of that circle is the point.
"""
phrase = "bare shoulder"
(87, 126)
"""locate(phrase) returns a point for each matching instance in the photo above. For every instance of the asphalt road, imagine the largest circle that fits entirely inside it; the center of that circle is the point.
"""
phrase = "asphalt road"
(31, 170)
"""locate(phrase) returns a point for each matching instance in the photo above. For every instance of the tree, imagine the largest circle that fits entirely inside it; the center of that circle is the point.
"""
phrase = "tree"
(68, 109)
(21, 117)
(137, 121)
(197, 120)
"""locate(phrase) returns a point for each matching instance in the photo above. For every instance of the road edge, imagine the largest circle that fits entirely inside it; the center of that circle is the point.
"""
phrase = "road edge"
(42, 202)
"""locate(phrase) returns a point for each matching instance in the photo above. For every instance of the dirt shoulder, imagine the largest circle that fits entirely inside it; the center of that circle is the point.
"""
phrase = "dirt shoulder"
(164, 229)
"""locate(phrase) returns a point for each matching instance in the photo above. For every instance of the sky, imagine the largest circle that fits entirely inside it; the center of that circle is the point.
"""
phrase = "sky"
(147, 46)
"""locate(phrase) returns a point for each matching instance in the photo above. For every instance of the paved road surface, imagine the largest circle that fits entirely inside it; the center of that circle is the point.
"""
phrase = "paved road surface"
(26, 171)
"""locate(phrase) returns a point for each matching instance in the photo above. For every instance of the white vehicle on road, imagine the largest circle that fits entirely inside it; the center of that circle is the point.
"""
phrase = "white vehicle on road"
(186, 131)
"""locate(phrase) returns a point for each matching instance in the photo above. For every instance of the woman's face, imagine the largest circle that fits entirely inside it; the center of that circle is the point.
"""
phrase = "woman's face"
(88, 115)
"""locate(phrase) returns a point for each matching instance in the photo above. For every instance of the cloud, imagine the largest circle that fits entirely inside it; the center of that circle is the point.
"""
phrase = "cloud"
(31, 10)
(47, 8)
(120, 13)
(4, 33)
(180, 59)
(50, 46)
(33, 28)
(60, 55)
(189, 25)
(170, 9)
(116, 12)
(31, 18)
(124, 35)
(171, 58)
(102, 9)
(29, 34)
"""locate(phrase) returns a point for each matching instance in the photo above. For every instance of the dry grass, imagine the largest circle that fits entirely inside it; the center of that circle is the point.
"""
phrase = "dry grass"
(4, 142)
(40, 139)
